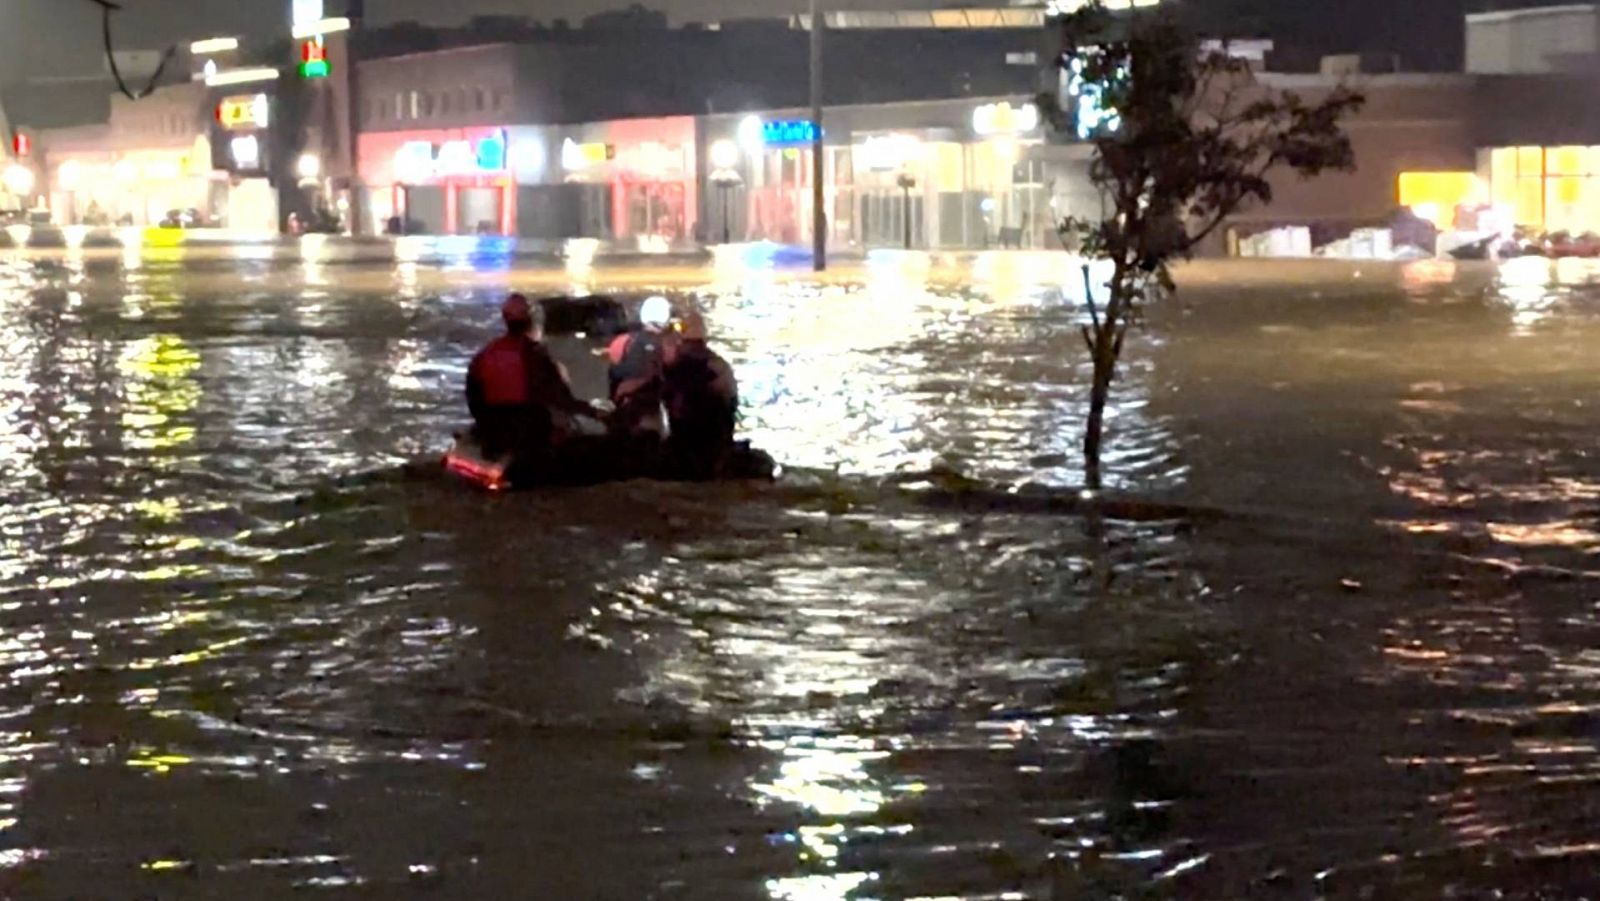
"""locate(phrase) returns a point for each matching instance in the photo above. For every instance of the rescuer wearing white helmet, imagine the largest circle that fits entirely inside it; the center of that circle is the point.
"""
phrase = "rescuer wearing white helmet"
(637, 367)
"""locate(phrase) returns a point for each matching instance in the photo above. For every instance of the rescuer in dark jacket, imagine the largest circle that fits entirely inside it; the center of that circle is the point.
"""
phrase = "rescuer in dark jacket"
(702, 400)
(516, 391)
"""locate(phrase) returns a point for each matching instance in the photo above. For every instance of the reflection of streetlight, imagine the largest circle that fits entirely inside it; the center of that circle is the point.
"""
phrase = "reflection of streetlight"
(19, 180)
(907, 181)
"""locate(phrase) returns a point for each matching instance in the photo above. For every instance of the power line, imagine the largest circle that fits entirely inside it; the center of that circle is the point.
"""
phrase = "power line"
(107, 7)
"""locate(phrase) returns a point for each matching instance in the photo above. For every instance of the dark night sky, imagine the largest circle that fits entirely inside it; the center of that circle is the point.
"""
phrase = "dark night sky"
(55, 37)
(63, 36)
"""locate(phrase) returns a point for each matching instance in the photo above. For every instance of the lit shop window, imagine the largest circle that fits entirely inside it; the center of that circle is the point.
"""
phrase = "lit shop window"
(1553, 188)
(1436, 195)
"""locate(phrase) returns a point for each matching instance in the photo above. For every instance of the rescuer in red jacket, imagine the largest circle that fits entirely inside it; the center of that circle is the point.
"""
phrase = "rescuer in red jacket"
(516, 390)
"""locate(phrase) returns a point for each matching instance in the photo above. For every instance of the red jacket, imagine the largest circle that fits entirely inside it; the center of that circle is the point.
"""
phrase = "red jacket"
(517, 371)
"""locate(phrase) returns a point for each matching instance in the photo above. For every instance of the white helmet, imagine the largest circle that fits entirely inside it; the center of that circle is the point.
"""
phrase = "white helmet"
(655, 313)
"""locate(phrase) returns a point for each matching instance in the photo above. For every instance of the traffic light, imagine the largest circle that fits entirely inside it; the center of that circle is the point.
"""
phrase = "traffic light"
(314, 58)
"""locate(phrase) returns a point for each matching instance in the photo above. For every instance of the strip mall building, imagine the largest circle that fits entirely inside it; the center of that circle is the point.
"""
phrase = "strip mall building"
(689, 142)
(1519, 129)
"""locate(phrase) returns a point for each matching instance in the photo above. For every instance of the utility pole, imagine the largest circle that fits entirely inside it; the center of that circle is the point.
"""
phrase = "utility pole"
(819, 170)
(360, 207)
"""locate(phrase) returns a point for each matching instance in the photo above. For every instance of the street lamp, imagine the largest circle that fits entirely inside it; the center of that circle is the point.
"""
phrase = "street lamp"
(907, 181)
(724, 154)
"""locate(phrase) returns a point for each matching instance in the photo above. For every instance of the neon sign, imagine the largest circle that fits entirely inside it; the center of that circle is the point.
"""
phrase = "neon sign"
(491, 154)
(418, 161)
(788, 133)
(1004, 119)
(244, 113)
(577, 157)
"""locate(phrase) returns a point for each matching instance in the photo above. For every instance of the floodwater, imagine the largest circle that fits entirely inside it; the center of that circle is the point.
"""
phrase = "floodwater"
(245, 650)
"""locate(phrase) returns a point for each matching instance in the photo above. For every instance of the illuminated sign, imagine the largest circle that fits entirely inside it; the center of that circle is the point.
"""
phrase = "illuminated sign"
(577, 157)
(791, 132)
(419, 161)
(1004, 119)
(413, 162)
(245, 113)
(492, 153)
(246, 152)
(314, 59)
(455, 158)
(881, 153)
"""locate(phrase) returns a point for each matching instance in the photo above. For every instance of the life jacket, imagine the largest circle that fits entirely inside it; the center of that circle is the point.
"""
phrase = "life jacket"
(503, 371)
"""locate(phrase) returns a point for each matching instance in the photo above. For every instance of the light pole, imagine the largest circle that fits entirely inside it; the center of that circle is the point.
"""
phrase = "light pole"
(819, 213)
(907, 181)
(725, 175)
(726, 180)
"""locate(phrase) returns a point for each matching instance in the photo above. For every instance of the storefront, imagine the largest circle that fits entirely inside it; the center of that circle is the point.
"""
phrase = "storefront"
(242, 160)
(1009, 185)
(634, 180)
(132, 187)
(1546, 189)
(152, 163)
(953, 189)
(448, 182)
(945, 174)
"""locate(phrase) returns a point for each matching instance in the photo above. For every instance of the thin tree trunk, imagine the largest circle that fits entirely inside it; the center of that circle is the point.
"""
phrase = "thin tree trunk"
(1099, 393)
(1103, 348)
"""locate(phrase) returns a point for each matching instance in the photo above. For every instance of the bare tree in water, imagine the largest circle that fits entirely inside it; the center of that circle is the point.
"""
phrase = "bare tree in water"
(1183, 137)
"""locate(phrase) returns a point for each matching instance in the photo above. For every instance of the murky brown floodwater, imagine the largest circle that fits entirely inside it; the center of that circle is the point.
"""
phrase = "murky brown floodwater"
(243, 654)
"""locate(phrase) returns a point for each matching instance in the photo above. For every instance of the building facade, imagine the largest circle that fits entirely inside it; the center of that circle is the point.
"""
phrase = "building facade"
(152, 161)
(934, 174)
(654, 138)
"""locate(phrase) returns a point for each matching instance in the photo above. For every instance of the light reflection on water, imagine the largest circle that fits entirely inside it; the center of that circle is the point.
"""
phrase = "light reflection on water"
(223, 605)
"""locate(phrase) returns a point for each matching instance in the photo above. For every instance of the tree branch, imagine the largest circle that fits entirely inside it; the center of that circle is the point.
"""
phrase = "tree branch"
(1088, 297)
